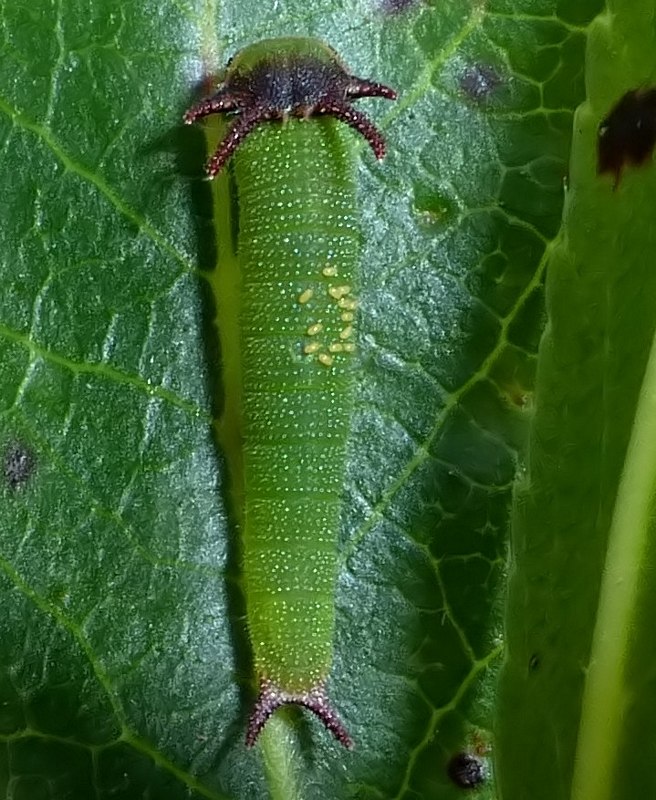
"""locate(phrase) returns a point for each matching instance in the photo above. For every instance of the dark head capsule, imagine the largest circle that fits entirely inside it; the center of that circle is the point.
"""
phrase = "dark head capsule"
(291, 77)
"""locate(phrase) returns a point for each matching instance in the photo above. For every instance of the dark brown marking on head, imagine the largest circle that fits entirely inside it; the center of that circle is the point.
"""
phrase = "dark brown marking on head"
(467, 771)
(271, 698)
(627, 136)
(18, 465)
(301, 78)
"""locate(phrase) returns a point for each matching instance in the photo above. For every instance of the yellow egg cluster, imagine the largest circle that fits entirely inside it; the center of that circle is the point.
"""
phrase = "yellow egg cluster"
(340, 299)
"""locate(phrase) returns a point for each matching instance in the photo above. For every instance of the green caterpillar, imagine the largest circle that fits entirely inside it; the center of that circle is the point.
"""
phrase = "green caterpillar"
(292, 381)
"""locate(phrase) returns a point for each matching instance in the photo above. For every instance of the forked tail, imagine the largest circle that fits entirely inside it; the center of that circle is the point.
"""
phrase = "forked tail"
(271, 697)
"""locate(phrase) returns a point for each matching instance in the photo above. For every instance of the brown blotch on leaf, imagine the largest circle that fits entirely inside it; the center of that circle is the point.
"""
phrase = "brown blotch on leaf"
(18, 464)
(627, 135)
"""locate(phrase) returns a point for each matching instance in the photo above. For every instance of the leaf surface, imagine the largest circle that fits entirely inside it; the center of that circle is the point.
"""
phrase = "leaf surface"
(577, 697)
(125, 669)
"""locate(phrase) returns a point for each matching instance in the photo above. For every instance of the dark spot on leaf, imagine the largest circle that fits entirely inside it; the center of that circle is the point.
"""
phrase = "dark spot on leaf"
(467, 770)
(397, 6)
(479, 81)
(518, 396)
(432, 208)
(534, 662)
(18, 464)
(628, 134)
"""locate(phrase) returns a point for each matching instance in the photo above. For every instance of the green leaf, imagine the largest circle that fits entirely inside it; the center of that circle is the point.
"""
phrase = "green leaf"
(577, 697)
(124, 667)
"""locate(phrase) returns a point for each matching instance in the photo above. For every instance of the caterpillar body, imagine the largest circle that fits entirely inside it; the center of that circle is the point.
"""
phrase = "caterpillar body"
(298, 252)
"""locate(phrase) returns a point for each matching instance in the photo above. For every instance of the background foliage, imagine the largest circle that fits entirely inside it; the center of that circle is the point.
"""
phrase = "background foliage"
(124, 669)
(577, 701)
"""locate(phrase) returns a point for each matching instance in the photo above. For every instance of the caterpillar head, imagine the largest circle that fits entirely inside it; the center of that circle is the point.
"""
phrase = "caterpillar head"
(275, 79)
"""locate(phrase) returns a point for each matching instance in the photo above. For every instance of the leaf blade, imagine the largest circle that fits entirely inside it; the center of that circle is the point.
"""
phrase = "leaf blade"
(570, 521)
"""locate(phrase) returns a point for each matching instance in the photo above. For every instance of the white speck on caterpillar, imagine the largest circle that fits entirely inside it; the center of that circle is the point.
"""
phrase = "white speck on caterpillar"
(347, 316)
(347, 303)
(326, 359)
(305, 296)
(314, 329)
(338, 292)
(329, 272)
(346, 332)
(336, 347)
(312, 347)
